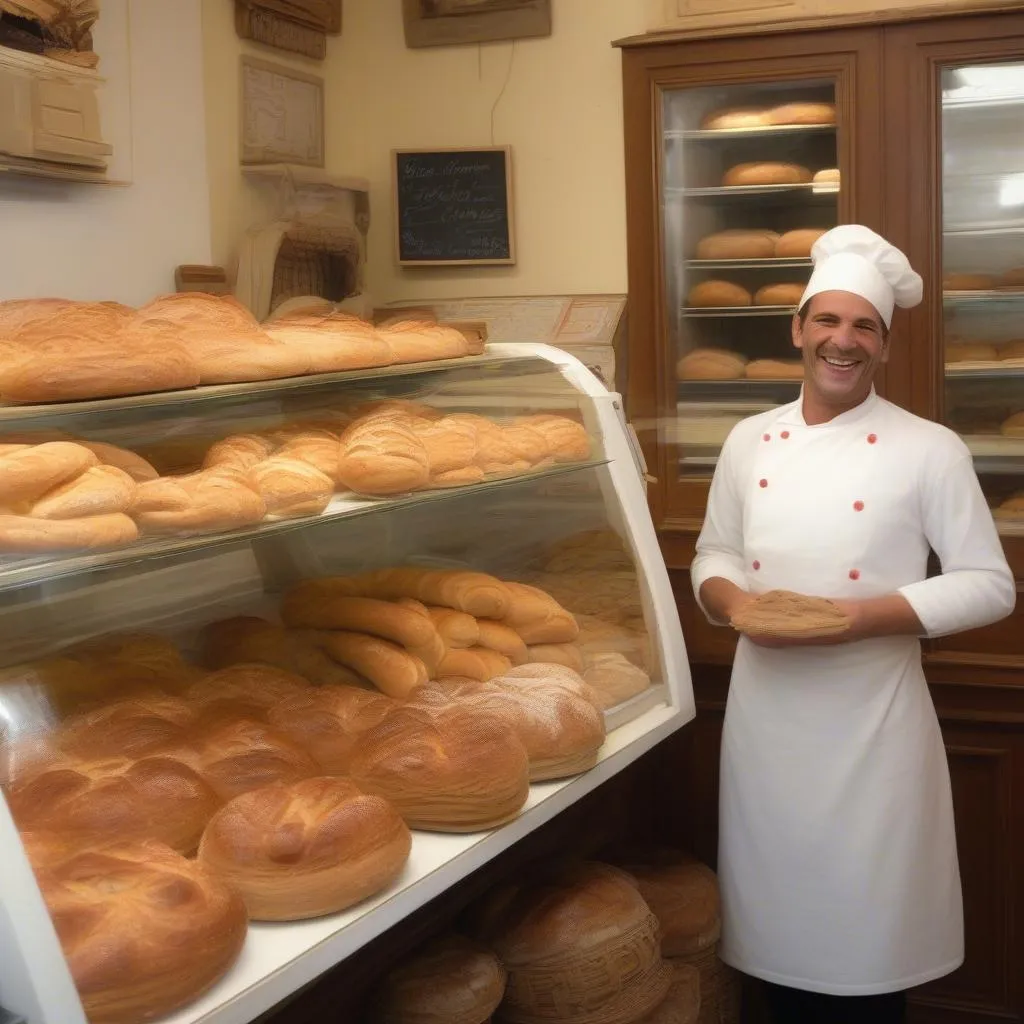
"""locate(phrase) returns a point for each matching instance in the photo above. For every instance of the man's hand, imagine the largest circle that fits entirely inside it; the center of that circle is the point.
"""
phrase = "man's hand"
(723, 599)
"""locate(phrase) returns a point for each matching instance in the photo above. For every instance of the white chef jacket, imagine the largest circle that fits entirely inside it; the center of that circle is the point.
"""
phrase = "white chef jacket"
(837, 855)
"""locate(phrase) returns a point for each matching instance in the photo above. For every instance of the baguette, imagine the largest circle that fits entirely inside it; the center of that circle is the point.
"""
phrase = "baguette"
(26, 533)
(362, 615)
(479, 663)
(29, 472)
(496, 636)
(391, 669)
(211, 499)
(100, 490)
(290, 487)
(457, 629)
(537, 617)
(473, 592)
(382, 457)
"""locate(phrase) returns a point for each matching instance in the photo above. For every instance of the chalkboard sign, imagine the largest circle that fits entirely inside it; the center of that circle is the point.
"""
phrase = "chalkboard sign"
(453, 206)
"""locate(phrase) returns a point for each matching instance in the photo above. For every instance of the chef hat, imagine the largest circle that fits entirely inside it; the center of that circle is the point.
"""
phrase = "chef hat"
(852, 258)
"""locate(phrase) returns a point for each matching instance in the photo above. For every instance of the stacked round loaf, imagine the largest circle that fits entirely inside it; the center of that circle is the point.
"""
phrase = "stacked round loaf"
(757, 243)
(786, 114)
(54, 350)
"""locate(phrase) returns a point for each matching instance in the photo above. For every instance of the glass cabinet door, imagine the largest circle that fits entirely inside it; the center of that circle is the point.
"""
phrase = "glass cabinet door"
(749, 179)
(983, 275)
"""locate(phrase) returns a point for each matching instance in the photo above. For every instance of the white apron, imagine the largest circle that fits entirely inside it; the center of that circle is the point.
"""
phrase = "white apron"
(837, 854)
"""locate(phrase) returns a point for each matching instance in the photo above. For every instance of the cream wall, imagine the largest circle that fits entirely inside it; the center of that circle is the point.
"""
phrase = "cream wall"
(95, 242)
(561, 111)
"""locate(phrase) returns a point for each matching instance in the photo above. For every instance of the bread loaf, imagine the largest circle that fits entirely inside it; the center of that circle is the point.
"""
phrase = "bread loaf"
(827, 176)
(110, 455)
(290, 487)
(370, 615)
(234, 755)
(557, 654)
(475, 593)
(615, 678)
(247, 639)
(1013, 426)
(802, 113)
(444, 772)
(779, 295)
(478, 663)
(502, 638)
(798, 243)
(389, 667)
(306, 849)
(567, 440)
(970, 351)
(99, 491)
(239, 451)
(787, 614)
(775, 369)
(710, 364)
(210, 500)
(766, 173)
(450, 980)
(331, 342)
(737, 244)
(28, 533)
(1013, 278)
(537, 617)
(457, 629)
(382, 457)
(256, 687)
(968, 282)
(717, 293)
(130, 728)
(683, 895)
(683, 1004)
(29, 472)
(413, 341)
(138, 657)
(144, 930)
(93, 801)
(327, 720)
(733, 118)
(580, 947)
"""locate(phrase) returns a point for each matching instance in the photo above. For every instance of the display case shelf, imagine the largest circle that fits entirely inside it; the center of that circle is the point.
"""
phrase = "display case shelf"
(804, 192)
(495, 362)
(988, 371)
(775, 263)
(731, 311)
(20, 572)
(1008, 299)
(766, 131)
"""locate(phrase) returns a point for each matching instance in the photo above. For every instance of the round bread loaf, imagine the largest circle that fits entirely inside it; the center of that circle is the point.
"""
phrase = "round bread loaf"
(718, 293)
(766, 173)
(787, 614)
(683, 895)
(449, 772)
(129, 728)
(1012, 508)
(734, 117)
(827, 176)
(144, 930)
(802, 113)
(1013, 278)
(579, 948)
(451, 980)
(306, 849)
(710, 364)
(146, 658)
(1013, 426)
(326, 721)
(256, 687)
(968, 282)
(780, 294)
(615, 678)
(798, 243)
(90, 801)
(683, 1003)
(775, 369)
(970, 351)
(737, 244)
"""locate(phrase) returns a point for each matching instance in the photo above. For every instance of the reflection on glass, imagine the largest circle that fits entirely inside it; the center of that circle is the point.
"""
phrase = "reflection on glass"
(983, 275)
(750, 177)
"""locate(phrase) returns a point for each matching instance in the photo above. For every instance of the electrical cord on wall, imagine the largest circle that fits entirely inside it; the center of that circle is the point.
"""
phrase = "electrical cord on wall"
(504, 85)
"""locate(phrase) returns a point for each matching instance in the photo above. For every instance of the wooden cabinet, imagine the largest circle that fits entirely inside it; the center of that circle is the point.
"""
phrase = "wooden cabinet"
(934, 160)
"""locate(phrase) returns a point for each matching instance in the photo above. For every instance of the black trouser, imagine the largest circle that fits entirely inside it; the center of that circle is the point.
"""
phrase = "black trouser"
(793, 1006)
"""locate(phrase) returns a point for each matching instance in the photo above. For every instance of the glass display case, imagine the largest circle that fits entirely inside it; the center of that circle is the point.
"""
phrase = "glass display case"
(983, 275)
(151, 682)
(750, 177)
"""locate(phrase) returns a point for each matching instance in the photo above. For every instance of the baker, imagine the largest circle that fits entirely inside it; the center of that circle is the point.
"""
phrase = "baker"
(838, 861)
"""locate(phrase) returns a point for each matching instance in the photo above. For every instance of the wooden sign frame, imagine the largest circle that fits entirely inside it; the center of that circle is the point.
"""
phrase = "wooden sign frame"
(510, 19)
(251, 149)
(508, 261)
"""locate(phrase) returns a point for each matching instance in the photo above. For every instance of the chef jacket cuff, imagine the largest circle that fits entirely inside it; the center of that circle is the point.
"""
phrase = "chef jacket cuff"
(929, 607)
(707, 567)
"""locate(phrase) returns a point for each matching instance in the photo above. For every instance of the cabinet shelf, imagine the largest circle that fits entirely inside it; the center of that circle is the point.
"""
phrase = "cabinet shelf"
(762, 132)
(471, 368)
(734, 311)
(772, 263)
(18, 572)
(1006, 297)
(990, 371)
(804, 192)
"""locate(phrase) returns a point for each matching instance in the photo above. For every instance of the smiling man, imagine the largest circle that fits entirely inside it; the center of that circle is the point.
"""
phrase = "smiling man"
(837, 854)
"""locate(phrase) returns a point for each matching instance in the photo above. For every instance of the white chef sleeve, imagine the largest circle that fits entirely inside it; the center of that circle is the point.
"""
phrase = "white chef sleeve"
(976, 586)
(720, 544)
